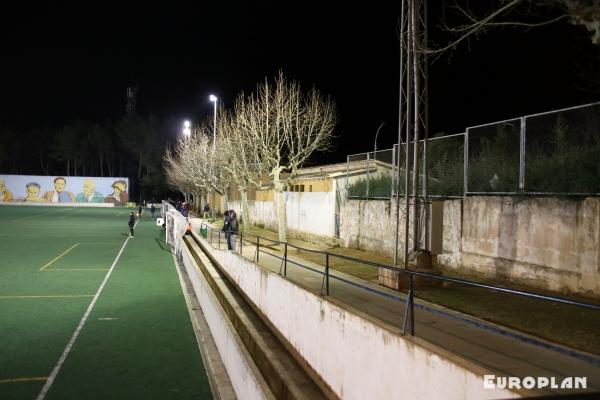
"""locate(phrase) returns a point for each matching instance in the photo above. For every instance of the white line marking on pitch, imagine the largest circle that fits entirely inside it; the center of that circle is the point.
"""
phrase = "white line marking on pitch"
(105, 319)
(65, 353)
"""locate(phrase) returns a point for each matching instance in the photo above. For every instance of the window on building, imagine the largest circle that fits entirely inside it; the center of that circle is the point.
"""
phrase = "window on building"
(310, 188)
(302, 188)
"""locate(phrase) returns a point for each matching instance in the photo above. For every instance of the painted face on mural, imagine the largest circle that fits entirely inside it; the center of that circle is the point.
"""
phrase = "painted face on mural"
(59, 185)
(119, 187)
(33, 191)
(88, 187)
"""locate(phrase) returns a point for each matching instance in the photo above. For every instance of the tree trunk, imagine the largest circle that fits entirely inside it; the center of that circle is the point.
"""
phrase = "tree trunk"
(245, 211)
(280, 202)
(212, 202)
(225, 198)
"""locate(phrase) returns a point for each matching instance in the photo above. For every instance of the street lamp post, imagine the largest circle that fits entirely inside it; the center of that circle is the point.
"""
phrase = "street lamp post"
(375, 150)
(187, 131)
(374, 156)
(214, 99)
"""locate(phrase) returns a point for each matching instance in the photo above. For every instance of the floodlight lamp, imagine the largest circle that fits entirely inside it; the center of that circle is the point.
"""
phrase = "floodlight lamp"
(187, 124)
(213, 98)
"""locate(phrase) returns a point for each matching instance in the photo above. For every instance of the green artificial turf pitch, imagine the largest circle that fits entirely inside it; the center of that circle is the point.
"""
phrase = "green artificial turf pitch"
(138, 341)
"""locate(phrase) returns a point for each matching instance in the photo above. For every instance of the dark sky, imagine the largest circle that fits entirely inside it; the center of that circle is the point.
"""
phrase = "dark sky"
(61, 63)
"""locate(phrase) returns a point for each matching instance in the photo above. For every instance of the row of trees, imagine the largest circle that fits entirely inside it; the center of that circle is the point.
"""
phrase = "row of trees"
(270, 132)
(130, 147)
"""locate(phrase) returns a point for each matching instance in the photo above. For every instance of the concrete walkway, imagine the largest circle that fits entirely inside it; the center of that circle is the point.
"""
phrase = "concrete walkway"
(495, 348)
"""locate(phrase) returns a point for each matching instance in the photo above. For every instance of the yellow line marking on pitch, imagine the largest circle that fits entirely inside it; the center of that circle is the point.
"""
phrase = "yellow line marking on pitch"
(33, 378)
(59, 256)
(50, 296)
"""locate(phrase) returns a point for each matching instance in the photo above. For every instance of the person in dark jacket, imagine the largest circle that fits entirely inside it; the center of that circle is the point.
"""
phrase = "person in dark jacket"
(226, 226)
(152, 210)
(233, 230)
(131, 223)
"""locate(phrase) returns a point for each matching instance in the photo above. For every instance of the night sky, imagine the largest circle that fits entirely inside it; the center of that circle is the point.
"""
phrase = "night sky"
(61, 63)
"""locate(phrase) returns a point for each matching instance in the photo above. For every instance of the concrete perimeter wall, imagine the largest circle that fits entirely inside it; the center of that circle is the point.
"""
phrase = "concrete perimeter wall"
(546, 243)
(309, 212)
(354, 356)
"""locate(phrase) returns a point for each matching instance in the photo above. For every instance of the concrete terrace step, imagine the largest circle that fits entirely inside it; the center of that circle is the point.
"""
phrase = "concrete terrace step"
(284, 376)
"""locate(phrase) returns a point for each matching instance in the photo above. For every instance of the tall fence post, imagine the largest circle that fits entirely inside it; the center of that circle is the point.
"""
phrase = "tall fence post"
(466, 164)
(347, 173)
(219, 245)
(327, 273)
(241, 243)
(522, 138)
(368, 173)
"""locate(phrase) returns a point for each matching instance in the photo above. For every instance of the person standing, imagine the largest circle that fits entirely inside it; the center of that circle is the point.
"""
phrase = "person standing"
(226, 226)
(152, 210)
(131, 223)
(233, 230)
(206, 211)
(140, 210)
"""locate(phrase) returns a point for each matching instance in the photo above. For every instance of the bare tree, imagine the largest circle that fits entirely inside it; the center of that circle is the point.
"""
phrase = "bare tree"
(285, 126)
(523, 13)
(238, 157)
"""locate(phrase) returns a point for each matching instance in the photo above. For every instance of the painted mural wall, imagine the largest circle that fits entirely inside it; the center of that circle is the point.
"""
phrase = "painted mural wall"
(59, 189)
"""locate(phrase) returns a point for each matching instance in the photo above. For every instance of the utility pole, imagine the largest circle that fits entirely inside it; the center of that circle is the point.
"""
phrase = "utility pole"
(413, 128)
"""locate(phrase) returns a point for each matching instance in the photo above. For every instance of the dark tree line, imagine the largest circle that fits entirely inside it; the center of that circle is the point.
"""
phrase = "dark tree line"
(130, 147)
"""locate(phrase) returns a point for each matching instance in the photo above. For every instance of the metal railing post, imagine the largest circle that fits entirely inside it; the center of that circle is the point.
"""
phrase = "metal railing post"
(211, 235)
(241, 243)
(285, 261)
(327, 273)
(257, 247)
(409, 312)
(219, 246)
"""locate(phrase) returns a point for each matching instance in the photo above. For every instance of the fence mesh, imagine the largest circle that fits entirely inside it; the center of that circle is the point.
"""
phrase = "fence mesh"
(562, 151)
(445, 162)
(494, 152)
(370, 175)
(561, 155)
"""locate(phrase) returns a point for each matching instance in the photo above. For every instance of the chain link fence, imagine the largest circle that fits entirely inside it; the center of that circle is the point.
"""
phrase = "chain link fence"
(493, 152)
(562, 151)
(370, 175)
(552, 153)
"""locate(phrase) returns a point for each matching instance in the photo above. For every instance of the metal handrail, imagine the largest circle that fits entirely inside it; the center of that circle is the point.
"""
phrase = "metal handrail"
(410, 309)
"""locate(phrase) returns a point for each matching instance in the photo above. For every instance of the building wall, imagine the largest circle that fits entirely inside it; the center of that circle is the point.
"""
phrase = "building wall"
(544, 243)
(313, 213)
